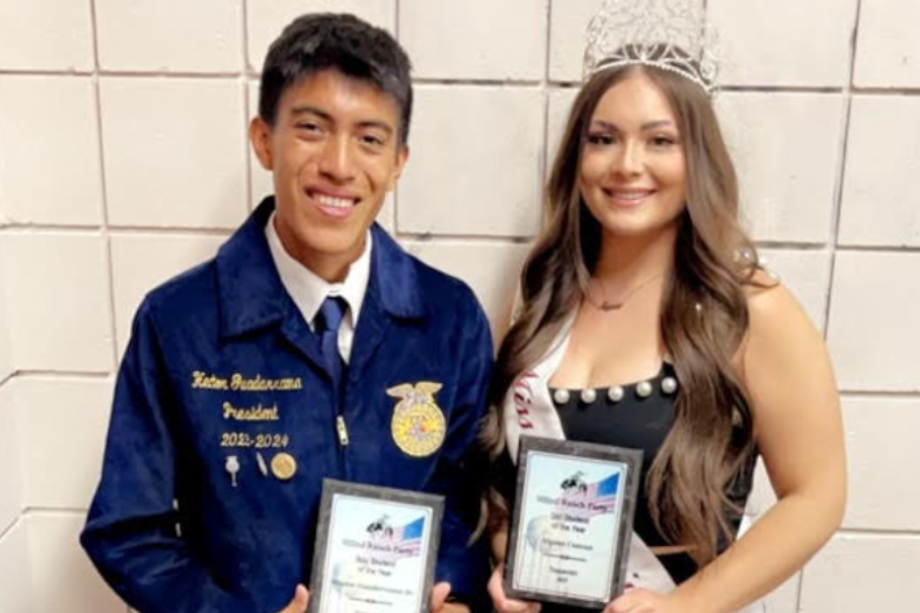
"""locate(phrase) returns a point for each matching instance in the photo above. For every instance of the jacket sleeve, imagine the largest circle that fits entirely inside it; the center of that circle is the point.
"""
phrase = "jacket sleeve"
(131, 533)
(462, 562)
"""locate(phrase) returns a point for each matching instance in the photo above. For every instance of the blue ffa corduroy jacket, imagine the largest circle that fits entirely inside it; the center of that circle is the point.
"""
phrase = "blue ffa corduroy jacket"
(221, 363)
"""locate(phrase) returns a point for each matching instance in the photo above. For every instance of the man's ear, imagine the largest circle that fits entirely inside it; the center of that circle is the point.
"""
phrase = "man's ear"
(260, 135)
(402, 156)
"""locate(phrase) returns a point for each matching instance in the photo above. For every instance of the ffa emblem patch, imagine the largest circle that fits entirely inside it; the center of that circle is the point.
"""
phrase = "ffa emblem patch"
(418, 424)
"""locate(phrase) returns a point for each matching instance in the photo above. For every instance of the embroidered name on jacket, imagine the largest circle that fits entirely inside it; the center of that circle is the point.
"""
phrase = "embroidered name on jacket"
(239, 383)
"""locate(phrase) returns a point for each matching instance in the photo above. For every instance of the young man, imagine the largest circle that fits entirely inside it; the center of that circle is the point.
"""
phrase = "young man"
(255, 375)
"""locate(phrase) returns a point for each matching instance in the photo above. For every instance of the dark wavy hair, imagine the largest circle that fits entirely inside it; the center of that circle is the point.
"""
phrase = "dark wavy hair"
(703, 320)
(342, 42)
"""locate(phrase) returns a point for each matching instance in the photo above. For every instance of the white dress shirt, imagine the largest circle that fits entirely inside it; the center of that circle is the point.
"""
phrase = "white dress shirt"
(308, 290)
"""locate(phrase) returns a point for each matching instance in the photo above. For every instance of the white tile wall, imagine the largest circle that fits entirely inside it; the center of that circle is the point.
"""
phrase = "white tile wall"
(559, 105)
(475, 39)
(874, 332)
(10, 467)
(60, 568)
(476, 165)
(568, 23)
(786, 152)
(762, 496)
(784, 42)
(881, 441)
(859, 573)
(141, 262)
(170, 35)
(267, 18)
(785, 598)
(494, 284)
(806, 274)
(175, 151)
(15, 577)
(46, 35)
(6, 350)
(261, 180)
(888, 48)
(58, 305)
(49, 156)
(174, 155)
(62, 425)
(880, 196)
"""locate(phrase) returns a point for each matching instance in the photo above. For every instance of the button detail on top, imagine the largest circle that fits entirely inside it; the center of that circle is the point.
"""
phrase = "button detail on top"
(588, 395)
(615, 393)
(669, 385)
(644, 389)
(561, 396)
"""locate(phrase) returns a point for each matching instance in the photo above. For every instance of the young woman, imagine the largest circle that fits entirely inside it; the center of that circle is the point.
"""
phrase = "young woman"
(646, 321)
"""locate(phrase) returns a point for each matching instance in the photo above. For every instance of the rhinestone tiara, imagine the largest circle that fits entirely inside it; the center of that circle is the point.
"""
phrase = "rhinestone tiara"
(672, 35)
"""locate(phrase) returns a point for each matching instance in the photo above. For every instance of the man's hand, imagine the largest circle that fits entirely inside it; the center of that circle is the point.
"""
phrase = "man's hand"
(439, 603)
(299, 602)
(502, 603)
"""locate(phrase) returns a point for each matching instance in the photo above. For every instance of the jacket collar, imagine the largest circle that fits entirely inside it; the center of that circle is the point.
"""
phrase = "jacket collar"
(252, 296)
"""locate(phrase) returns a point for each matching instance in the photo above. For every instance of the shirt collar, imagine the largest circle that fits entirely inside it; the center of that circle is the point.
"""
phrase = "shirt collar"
(308, 290)
(252, 296)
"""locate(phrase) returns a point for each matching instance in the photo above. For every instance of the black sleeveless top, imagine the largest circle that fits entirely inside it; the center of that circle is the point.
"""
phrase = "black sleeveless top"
(637, 416)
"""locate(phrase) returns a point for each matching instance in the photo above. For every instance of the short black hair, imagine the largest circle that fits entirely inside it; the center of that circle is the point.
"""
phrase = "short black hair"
(327, 41)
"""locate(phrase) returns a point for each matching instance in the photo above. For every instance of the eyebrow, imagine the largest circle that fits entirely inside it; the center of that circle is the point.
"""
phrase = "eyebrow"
(651, 125)
(369, 123)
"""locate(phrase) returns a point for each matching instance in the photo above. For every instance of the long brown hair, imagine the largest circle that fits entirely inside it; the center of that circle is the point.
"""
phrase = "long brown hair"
(703, 320)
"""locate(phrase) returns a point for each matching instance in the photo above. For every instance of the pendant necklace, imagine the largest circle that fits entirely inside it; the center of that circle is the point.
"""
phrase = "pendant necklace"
(606, 305)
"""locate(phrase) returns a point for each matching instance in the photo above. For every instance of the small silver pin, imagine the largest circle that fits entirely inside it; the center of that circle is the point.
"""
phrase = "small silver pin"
(232, 466)
(263, 467)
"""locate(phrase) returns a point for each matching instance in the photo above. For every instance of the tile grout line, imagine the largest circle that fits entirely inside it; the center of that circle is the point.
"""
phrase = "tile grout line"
(505, 83)
(839, 188)
(103, 188)
(64, 374)
(6, 531)
(836, 215)
(59, 511)
(869, 532)
(878, 394)
(544, 163)
(836, 212)
(20, 230)
(247, 112)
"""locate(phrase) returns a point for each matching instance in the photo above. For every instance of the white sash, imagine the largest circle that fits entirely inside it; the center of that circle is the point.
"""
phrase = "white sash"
(528, 409)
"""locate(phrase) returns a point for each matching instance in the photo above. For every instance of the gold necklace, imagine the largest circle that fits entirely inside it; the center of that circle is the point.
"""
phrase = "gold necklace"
(606, 306)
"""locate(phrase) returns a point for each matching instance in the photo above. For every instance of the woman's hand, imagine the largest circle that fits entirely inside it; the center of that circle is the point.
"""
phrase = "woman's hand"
(504, 604)
(644, 601)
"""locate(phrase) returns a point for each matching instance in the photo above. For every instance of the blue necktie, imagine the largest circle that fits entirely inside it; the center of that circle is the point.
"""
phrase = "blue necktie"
(327, 326)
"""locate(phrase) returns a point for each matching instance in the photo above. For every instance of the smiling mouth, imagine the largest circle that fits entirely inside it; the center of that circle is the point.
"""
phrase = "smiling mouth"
(327, 201)
(628, 196)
